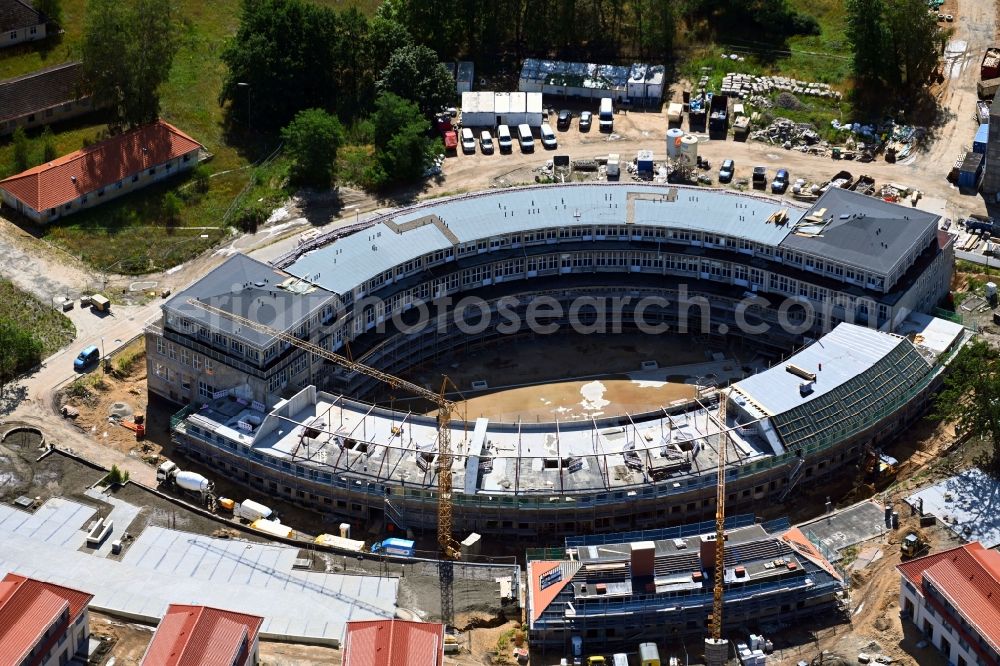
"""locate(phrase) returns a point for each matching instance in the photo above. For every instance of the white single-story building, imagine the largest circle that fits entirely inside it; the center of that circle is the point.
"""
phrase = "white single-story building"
(20, 22)
(106, 170)
(489, 109)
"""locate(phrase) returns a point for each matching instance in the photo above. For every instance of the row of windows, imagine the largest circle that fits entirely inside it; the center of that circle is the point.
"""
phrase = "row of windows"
(117, 186)
(622, 232)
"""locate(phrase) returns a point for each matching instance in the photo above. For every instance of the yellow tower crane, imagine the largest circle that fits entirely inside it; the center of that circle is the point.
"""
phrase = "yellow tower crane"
(445, 408)
(717, 648)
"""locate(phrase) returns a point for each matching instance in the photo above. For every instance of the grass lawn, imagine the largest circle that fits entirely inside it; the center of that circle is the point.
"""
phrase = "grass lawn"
(53, 328)
(824, 58)
(130, 235)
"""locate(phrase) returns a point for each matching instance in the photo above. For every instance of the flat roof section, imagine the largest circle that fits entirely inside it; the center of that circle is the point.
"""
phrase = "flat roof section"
(352, 260)
(860, 230)
(166, 566)
(846, 527)
(966, 504)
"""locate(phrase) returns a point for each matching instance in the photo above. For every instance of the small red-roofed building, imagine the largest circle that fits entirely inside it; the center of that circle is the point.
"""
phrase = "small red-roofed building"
(953, 597)
(103, 171)
(204, 636)
(393, 643)
(41, 624)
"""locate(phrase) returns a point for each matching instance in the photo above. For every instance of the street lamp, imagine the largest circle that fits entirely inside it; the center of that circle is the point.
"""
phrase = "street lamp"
(243, 84)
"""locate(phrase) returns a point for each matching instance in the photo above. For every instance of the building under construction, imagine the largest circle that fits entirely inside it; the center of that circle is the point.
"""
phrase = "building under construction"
(662, 582)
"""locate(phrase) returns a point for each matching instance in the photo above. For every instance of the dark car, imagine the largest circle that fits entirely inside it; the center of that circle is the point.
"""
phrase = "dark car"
(760, 178)
(780, 182)
(585, 119)
(564, 120)
(726, 171)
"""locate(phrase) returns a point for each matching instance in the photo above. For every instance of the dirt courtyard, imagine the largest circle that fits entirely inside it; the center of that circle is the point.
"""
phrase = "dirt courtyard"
(567, 376)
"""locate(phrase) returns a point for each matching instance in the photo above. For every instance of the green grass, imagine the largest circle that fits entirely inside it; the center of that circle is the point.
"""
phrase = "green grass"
(51, 327)
(130, 235)
(821, 58)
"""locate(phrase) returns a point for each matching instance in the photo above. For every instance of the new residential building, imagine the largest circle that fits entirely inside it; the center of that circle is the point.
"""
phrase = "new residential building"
(953, 597)
(203, 636)
(42, 624)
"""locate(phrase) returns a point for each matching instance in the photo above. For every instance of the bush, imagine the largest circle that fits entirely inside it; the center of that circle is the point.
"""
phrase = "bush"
(20, 350)
(21, 148)
(171, 207)
(127, 358)
(116, 476)
(251, 217)
(201, 176)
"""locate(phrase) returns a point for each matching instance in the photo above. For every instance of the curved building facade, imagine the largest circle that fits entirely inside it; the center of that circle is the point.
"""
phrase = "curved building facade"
(712, 263)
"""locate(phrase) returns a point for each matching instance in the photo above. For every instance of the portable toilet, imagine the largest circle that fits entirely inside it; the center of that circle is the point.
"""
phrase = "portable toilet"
(649, 654)
(644, 161)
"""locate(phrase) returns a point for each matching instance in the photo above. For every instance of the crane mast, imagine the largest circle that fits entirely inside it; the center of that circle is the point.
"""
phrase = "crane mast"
(445, 408)
(720, 523)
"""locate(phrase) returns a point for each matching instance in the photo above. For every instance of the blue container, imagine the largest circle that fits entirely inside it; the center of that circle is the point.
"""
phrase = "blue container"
(982, 138)
(971, 173)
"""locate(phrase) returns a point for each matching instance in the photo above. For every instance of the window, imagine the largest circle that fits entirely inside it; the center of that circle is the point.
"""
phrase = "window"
(160, 346)
(160, 371)
(208, 366)
(172, 352)
(152, 171)
(48, 112)
(68, 206)
(187, 158)
(185, 356)
(84, 199)
(100, 192)
(196, 361)
(135, 178)
(205, 390)
(33, 30)
(13, 34)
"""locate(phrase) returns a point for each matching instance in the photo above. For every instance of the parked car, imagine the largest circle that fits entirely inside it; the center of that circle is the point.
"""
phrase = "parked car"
(780, 182)
(564, 120)
(548, 136)
(760, 178)
(504, 140)
(88, 356)
(727, 171)
(486, 142)
(586, 118)
(468, 141)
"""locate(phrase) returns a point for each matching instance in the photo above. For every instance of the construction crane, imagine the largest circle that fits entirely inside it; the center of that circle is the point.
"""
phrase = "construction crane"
(720, 524)
(445, 408)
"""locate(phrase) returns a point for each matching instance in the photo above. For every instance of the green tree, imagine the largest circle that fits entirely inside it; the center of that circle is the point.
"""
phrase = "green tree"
(971, 397)
(868, 34)
(48, 145)
(21, 149)
(916, 42)
(385, 35)
(20, 351)
(415, 73)
(52, 9)
(201, 175)
(287, 51)
(311, 140)
(403, 150)
(128, 49)
(171, 208)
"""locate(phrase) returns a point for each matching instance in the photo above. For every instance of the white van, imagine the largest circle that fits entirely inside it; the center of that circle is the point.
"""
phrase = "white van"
(503, 139)
(525, 139)
(606, 115)
(548, 136)
(468, 141)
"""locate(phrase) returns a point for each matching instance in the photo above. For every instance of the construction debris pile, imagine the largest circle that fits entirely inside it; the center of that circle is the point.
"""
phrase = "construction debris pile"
(747, 85)
(787, 133)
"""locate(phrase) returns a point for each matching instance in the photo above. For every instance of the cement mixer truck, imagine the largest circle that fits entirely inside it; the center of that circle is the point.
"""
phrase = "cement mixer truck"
(169, 475)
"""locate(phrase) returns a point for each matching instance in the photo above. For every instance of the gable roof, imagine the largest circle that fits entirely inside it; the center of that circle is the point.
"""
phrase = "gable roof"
(27, 608)
(40, 90)
(62, 180)
(16, 14)
(394, 643)
(969, 578)
(201, 636)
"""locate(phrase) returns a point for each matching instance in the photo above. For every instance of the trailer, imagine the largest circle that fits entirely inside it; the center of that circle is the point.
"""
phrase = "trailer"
(273, 528)
(987, 88)
(251, 511)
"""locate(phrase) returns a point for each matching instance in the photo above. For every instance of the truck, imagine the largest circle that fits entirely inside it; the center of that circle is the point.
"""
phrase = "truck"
(169, 474)
(987, 89)
(443, 124)
(394, 546)
(606, 115)
(251, 511)
(718, 117)
(614, 166)
(649, 654)
(989, 68)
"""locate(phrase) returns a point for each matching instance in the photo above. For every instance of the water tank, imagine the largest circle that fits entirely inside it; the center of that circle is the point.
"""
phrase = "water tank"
(674, 136)
(193, 481)
(345, 530)
(991, 290)
(689, 149)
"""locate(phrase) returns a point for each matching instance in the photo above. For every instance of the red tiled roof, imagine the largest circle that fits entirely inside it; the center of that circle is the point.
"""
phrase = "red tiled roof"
(62, 180)
(201, 636)
(27, 608)
(969, 577)
(394, 643)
